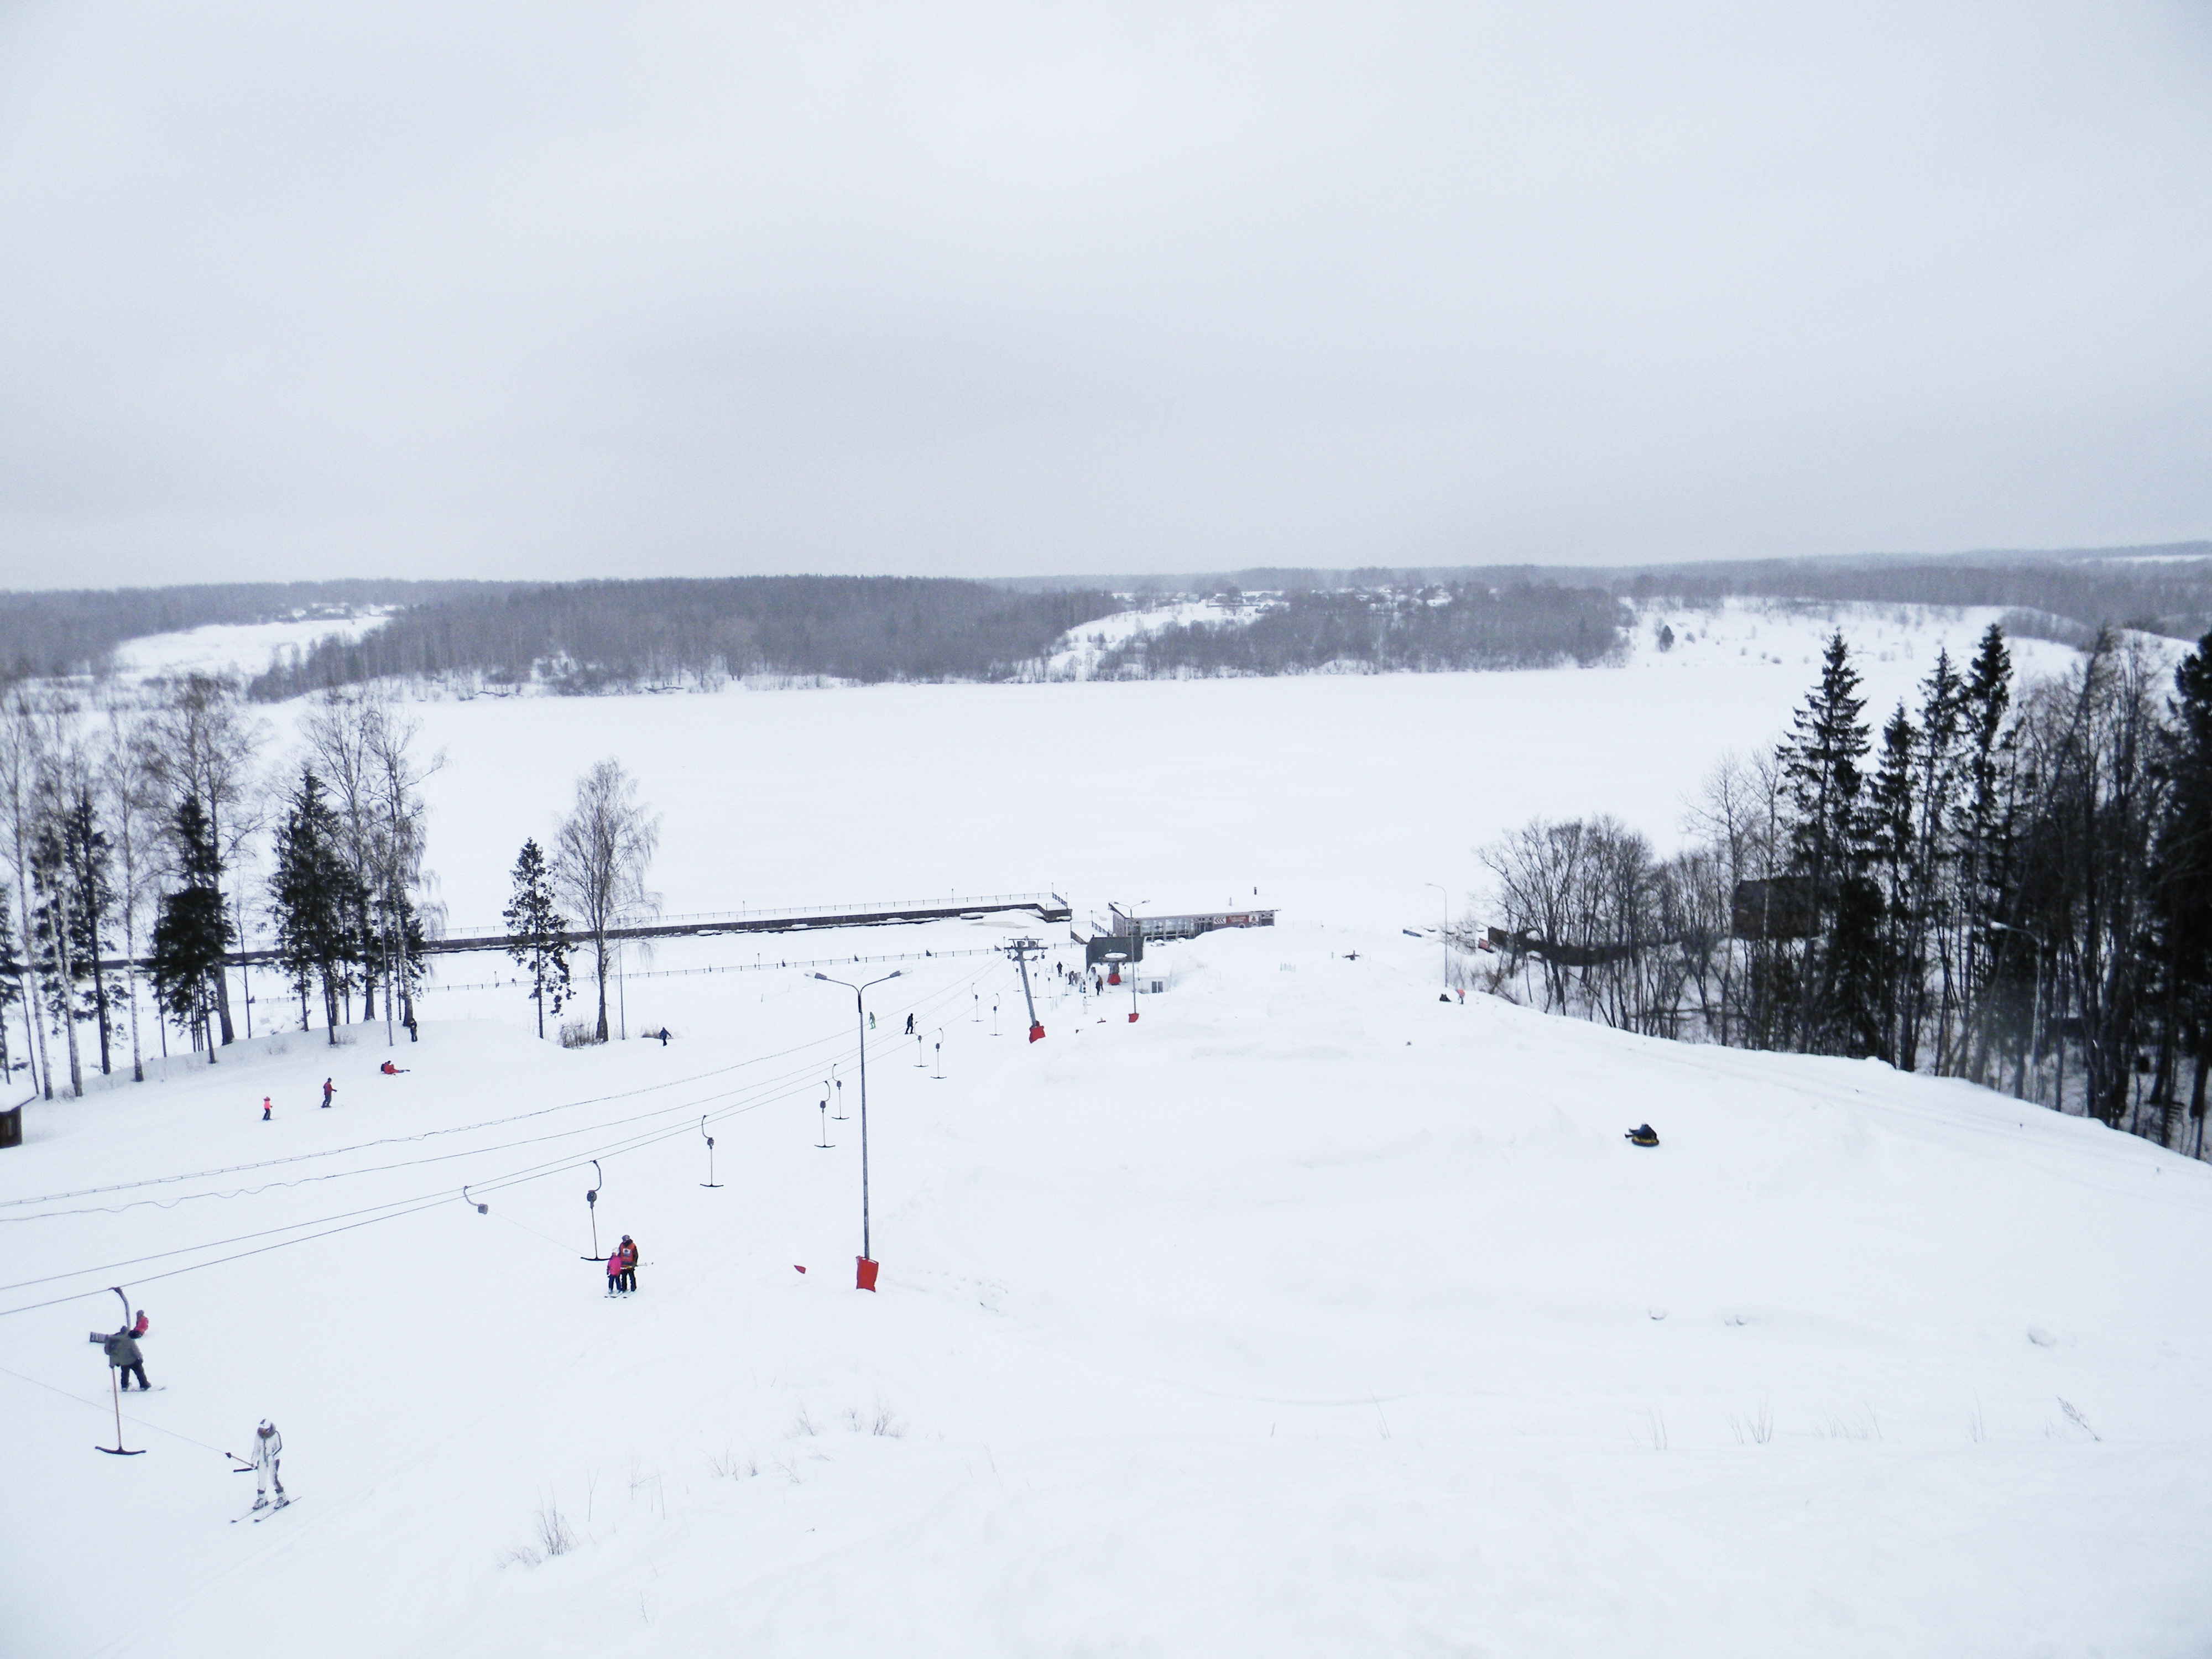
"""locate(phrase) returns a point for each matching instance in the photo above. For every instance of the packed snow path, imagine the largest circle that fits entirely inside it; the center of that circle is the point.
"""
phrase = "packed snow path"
(1306, 1315)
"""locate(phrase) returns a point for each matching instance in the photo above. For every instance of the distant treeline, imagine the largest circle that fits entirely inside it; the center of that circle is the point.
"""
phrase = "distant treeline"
(49, 635)
(1465, 625)
(2064, 596)
(587, 636)
(2173, 598)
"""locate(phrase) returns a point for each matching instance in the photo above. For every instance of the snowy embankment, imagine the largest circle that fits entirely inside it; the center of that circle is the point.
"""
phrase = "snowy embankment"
(1307, 1314)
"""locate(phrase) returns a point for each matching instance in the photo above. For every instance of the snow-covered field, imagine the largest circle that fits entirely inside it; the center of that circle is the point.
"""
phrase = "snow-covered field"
(224, 648)
(1307, 1314)
(1080, 650)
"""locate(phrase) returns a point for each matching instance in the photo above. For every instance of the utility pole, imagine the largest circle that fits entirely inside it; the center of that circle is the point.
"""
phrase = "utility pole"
(1019, 951)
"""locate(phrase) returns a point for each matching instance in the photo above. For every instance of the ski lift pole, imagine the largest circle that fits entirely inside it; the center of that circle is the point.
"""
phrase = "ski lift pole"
(709, 1181)
(1019, 951)
(592, 1202)
(115, 1391)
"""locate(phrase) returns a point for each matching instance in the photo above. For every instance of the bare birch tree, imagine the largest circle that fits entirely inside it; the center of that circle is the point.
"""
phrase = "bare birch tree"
(604, 846)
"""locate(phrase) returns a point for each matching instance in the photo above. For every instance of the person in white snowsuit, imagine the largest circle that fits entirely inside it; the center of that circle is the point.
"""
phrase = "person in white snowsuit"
(268, 1450)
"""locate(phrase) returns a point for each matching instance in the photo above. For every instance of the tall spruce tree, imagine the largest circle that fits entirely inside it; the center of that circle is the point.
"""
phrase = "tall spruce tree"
(1928, 936)
(537, 934)
(11, 982)
(315, 902)
(1892, 853)
(1985, 869)
(191, 932)
(1822, 785)
(2182, 883)
(88, 864)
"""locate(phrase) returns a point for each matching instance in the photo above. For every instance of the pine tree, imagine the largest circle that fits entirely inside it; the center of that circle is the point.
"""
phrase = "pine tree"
(1942, 717)
(537, 934)
(2182, 883)
(316, 902)
(1891, 850)
(1822, 784)
(1984, 876)
(11, 979)
(69, 876)
(190, 933)
(86, 863)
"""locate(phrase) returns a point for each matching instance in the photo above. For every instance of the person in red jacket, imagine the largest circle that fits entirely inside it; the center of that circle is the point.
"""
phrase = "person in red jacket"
(627, 1254)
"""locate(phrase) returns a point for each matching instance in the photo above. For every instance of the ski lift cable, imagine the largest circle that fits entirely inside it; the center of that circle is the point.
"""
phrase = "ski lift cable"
(397, 1208)
(136, 1423)
(389, 1212)
(801, 1072)
(444, 1158)
(428, 1134)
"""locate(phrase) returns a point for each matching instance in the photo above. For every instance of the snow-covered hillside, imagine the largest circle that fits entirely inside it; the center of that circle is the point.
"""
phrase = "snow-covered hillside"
(245, 648)
(1306, 1314)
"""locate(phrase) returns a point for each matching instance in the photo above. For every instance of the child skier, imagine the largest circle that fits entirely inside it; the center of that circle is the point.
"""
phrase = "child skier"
(614, 1271)
(268, 1450)
(265, 1108)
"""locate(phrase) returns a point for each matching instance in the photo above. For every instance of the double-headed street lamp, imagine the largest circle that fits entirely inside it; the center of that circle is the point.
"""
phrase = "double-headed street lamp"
(866, 1271)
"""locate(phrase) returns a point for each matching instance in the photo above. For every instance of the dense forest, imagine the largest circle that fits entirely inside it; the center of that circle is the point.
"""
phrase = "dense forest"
(45, 635)
(589, 636)
(1466, 625)
(2012, 885)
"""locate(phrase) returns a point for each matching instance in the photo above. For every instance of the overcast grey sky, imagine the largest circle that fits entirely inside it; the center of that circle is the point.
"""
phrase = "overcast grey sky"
(567, 291)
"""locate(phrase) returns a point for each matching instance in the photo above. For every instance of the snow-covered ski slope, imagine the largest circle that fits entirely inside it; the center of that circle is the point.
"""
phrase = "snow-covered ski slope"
(1305, 1315)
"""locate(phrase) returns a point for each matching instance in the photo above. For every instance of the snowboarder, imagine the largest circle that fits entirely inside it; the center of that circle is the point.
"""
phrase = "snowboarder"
(663, 1035)
(329, 1088)
(265, 1108)
(390, 1070)
(268, 1450)
(627, 1254)
(122, 1354)
(910, 1024)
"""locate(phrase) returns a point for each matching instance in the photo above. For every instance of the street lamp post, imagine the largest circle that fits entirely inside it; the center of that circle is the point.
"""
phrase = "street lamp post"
(867, 1263)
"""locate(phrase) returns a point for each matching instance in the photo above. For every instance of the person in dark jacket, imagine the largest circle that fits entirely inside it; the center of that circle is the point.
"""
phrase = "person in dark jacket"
(122, 1354)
